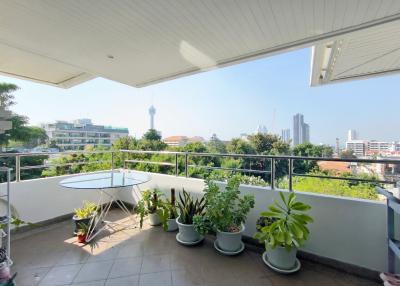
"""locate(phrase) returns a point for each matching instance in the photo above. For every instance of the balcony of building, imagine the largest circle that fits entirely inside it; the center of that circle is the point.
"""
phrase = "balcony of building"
(347, 246)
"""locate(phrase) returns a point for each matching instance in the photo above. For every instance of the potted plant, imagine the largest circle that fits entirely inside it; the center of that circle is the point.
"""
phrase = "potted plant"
(283, 229)
(82, 232)
(188, 209)
(168, 213)
(5, 273)
(84, 215)
(225, 214)
(149, 205)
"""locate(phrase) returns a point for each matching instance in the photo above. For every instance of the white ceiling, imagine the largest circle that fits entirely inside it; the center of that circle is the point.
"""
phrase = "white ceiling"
(363, 54)
(137, 42)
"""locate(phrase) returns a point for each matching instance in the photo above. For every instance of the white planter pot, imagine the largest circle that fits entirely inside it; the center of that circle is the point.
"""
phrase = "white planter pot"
(230, 241)
(281, 258)
(172, 225)
(154, 219)
(187, 233)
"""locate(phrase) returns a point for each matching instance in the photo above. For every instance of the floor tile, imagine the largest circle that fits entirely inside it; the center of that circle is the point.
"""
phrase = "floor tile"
(126, 267)
(91, 283)
(130, 250)
(156, 279)
(156, 263)
(102, 252)
(29, 276)
(60, 275)
(148, 257)
(186, 278)
(123, 281)
(74, 256)
(94, 271)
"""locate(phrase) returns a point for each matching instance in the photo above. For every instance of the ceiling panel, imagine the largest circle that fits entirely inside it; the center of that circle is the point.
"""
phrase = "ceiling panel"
(363, 54)
(143, 42)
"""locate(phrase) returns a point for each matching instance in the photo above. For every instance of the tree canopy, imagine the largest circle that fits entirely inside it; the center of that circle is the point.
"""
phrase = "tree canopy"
(20, 131)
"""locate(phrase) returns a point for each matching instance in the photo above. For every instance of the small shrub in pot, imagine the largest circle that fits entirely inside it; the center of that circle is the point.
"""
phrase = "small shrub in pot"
(225, 213)
(168, 213)
(149, 205)
(84, 215)
(283, 229)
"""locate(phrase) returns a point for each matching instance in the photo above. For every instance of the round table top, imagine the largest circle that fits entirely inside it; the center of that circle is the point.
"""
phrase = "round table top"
(105, 180)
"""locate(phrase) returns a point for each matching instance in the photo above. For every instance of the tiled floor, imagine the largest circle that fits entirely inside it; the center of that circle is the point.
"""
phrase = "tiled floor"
(149, 257)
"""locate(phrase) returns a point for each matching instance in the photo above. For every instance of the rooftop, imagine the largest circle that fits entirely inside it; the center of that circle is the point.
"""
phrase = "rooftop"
(150, 257)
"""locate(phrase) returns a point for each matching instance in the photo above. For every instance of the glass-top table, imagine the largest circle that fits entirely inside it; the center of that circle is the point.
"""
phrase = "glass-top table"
(105, 180)
(109, 184)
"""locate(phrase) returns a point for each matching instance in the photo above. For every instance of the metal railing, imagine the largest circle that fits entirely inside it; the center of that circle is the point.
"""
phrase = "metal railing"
(19, 168)
(272, 166)
(270, 169)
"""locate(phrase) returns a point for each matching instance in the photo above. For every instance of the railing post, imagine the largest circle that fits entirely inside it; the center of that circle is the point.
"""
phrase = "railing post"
(186, 164)
(8, 213)
(272, 173)
(176, 165)
(290, 174)
(112, 162)
(123, 159)
(17, 168)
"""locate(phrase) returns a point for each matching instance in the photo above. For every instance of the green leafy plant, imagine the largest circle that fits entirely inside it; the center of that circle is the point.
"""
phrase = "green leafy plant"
(168, 210)
(83, 229)
(86, 211)
(188, 208)
(284, 224)
(226, 210)
(150, 203)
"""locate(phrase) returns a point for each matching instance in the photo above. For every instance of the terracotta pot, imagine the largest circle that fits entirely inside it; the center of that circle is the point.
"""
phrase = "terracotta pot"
(81, 238)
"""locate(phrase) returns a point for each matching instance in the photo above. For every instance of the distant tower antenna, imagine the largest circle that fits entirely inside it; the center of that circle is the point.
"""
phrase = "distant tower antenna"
(152, 112)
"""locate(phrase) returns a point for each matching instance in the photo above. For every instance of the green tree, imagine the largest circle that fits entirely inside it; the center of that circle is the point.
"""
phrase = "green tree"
(263, 143)
(240, 146)
(20, 132)
(152, 135)
(310, 150)
(151, 140)
(7, 94)
(215, 145)
(347, 154)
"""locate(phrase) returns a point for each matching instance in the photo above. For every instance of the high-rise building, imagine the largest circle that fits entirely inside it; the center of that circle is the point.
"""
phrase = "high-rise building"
(306, 133)
(352, 135)
(261, 129)
(285, 135)
(152, 112)
(357, 146)
(301, 130)
(82, 132)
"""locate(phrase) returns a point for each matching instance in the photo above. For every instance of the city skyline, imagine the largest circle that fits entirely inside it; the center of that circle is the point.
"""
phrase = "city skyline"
(212, 102)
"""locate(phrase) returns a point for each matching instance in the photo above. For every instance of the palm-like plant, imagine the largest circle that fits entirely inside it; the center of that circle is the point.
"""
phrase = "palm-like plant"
(285, 225)
(188, 208)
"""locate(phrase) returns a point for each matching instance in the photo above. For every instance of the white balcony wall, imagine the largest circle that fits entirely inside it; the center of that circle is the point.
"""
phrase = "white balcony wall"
(39, 200)
(347, 230)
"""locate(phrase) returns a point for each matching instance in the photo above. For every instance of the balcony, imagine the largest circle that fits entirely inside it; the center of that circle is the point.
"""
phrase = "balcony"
(150, 257)
(347, 246)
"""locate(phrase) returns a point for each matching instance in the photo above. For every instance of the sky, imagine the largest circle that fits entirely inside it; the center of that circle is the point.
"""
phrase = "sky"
(227, 101)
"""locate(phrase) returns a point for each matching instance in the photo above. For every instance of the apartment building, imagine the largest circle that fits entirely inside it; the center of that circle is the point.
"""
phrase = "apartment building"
(180, 141)
(82, 132)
